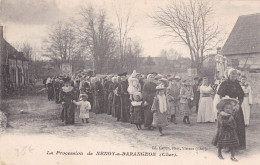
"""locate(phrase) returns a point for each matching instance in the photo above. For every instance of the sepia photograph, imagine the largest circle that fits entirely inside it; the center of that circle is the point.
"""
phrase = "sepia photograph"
(129, 82)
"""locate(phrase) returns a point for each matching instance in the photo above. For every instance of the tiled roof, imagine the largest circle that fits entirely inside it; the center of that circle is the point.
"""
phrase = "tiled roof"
(245, 36)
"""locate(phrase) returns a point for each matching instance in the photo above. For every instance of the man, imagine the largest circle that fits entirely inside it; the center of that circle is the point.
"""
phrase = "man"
(196, 92)
(124, 97)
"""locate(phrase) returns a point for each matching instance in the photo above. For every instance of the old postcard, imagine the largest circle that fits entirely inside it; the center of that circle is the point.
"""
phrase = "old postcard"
(129, 82)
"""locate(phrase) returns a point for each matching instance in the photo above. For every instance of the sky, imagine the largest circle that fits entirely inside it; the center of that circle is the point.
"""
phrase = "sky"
(28, 20)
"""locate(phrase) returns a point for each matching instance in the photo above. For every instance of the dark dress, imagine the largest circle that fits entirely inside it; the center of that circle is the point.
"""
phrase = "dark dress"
(148, 96)
(50, 91)
(116, 112)
(57, 88)
(110, 98)
(136, 114)
(68, 111)
(226, 135)
(234, 90)
(124, 100)
(106, 94)
(98, 98)
(196, 92)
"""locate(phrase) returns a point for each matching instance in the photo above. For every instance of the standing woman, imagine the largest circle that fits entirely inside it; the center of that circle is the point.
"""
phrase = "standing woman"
(116, 107)
(67, 96)
(205, 111)
(232, 88)
(50, 89)
(111, 96)
(248, 101)
(186, 96)
(98, 95)
(148, 96)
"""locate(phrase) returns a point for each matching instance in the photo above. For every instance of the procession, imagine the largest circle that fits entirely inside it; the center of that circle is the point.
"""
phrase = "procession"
(176, 79)
(156, 100)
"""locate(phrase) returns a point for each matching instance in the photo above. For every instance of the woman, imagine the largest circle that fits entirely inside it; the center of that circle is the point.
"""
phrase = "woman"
(50, 89)
(111, 95)
(148, 96)
(232, 88)
(67, 96)
(248, 101)
(186, 97)
(98, 96)
(205, 111)
(216, 99)
(116, 106)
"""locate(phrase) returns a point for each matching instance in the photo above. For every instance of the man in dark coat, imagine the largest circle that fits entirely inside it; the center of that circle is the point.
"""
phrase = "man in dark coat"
(124, 98)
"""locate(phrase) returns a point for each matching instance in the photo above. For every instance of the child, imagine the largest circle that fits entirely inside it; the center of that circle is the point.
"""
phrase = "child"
(186, 98)
(84, 106)
(137, 110)
(160, 108)
(226, 136)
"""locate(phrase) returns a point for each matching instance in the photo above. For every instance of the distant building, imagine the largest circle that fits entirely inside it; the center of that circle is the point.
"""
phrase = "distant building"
(242, 47)
(14, 66)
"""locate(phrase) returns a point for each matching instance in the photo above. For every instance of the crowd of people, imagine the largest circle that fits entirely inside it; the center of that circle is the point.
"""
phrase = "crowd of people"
(155, 100)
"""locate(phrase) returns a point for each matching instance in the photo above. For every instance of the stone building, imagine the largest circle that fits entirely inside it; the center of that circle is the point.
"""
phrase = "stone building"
(242, 47)
(14, 66)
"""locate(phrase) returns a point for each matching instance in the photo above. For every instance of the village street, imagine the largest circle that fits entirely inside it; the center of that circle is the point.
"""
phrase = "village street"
(35, 116)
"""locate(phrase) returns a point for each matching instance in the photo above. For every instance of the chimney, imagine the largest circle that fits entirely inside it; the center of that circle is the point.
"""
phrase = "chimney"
(1, 32)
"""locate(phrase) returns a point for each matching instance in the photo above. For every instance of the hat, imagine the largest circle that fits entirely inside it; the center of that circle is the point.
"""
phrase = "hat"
(224, 101)
(196, 78)
(160, 87)
(122, 74)
(177, 77)
(165, 81)
(83, 95)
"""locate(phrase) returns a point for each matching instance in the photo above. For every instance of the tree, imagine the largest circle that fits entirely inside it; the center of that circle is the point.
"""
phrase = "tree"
(124, 26)
(96, 35)
(132, 53)
(189, 23)
(61, 44)
(149, 61)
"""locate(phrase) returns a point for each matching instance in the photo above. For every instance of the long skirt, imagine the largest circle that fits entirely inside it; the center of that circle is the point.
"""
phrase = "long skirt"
(185, 109)
(160, 119)
(50, 93)
(110, 103)
(174, 107)
(240, 130)
(57, 95)
(116, 112)
(215, 102)
(225, 138)
(137, 116)
(98, 104)
(68, 113)
(246, 110)
(105, 102)
(148, 116)
(205, 112)
(125, 108)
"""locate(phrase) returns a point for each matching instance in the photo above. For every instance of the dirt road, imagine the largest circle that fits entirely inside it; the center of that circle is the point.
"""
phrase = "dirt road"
(36, 118)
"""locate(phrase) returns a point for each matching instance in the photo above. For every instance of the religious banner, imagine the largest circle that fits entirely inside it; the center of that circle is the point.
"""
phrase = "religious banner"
(66, 69)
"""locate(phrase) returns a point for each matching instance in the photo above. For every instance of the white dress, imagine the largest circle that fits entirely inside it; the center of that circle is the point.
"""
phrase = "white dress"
(215, 102)
(246, 103)
(205, 111)
(84, 107)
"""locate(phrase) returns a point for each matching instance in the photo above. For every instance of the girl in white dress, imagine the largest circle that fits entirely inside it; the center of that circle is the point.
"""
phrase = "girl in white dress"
(248, 101)
(205, 111)
(84, 107)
